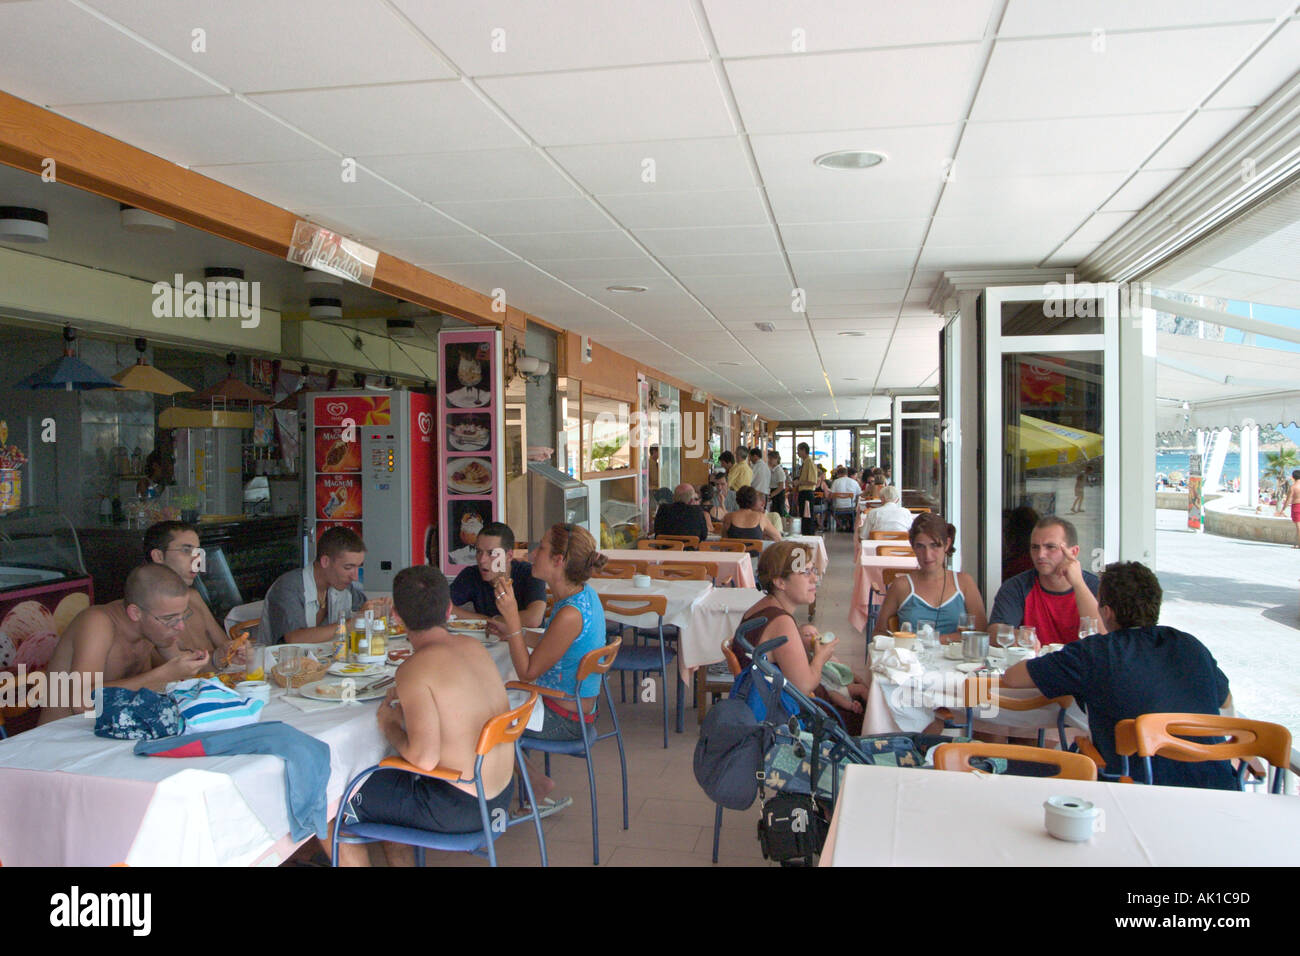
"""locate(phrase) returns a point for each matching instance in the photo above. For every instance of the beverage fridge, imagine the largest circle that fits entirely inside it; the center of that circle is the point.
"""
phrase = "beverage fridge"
(368, 464)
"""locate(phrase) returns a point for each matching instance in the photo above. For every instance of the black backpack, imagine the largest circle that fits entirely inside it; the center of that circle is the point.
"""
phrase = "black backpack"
(729, 754)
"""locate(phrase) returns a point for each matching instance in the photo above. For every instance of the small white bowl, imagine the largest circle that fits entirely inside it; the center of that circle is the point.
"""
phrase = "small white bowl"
(254, 690)
(640, 580)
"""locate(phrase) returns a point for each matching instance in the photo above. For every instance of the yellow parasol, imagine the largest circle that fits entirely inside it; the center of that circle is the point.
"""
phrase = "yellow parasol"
(1042, 444)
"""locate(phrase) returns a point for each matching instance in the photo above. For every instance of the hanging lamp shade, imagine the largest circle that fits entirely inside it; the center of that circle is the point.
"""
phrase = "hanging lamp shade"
(143, 377)
(231, 389)
(67, 372)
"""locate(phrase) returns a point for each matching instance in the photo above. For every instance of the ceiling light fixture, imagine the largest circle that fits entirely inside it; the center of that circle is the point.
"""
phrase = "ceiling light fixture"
(137, 220)
(24, 224)
(765, 326)
(855, 335)
(325, 308)
(316, 277)
(625, 289)
(850, 159)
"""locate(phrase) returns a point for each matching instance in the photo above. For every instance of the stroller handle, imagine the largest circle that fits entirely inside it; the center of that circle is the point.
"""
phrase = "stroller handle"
(748, 627)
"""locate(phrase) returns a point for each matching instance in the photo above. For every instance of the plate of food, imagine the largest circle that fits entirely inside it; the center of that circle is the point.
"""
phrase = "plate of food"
(334, 690)
(469, 476)
(469, 436)
(469, 625)
(348, 669)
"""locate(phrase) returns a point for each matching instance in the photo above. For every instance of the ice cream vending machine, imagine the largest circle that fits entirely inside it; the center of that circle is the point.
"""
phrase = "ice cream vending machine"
(369, 466)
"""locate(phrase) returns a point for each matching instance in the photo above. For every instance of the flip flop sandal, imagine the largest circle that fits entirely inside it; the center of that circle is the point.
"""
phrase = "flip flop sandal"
(548, 806)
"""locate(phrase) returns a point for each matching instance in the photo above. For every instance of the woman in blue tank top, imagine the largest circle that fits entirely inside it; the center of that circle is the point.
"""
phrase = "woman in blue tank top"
(932, 594)
(565, 559)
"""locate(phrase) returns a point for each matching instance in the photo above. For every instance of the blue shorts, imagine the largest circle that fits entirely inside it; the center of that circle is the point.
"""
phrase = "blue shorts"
(405, 800)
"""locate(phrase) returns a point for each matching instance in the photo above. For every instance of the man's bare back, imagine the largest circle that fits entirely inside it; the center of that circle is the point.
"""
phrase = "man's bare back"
(448, 690)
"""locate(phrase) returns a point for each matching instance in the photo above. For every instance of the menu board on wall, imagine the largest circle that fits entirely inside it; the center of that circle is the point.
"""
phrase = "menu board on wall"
(336, 452)
(471, 486)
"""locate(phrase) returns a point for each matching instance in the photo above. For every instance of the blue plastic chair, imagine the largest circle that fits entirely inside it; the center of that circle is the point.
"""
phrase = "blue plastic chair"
(502, 729)
(646, 659)
(599, 662)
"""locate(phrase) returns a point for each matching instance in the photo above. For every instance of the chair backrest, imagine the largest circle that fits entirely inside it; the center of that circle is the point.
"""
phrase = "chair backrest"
(1126, 738)
(1162, 735)
(887, 536)
(984, 692)
(505, 728)
(1070, 766)
(243, 612)
(733, 662)
(634, 605)
(750, 546)
(616, 569)
(687, 540)
(695, 571)
(598, 661)
(895, 551)
(887, 575)
(919, 511)
(728, 544)
(244, 627)
(651, 544)
(842, 500)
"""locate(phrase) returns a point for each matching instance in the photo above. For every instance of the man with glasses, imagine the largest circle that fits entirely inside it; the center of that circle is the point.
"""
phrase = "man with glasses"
(176, 545)
(473, 593)
(684, 515)
(132, 643)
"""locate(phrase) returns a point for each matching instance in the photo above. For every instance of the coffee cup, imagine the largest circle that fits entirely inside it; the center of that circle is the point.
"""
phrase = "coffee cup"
(1073, 819)
(640, 580)
(952, 651)
(1015, 655)
(254, 690)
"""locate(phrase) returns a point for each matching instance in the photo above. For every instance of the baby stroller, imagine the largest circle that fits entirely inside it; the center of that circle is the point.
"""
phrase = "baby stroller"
(769, 735)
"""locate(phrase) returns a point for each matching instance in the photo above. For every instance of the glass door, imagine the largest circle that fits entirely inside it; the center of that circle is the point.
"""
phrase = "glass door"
(1049, 423)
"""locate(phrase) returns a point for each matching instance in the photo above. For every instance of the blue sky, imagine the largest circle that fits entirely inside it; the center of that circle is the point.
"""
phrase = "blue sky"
(1266, 313)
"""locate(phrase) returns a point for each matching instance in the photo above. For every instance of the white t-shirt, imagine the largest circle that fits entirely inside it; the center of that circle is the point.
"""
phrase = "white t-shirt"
(762, 480)
(779, 479)
(845, 484)
(888, 517)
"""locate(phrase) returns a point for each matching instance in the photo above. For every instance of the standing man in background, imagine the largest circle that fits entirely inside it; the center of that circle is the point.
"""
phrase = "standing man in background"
(761, 481)
(778, 483)
(806, 485)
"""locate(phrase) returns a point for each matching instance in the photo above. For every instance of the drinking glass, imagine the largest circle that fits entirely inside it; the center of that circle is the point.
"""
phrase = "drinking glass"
(290, 660)
(1004, 636)
(965, 622)
(1027, 637)
(1087, 627)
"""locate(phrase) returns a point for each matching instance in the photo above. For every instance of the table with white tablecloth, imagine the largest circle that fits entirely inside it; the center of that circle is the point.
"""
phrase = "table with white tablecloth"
(899, 816)
(733, 566)
(909, 706)
(69, 798)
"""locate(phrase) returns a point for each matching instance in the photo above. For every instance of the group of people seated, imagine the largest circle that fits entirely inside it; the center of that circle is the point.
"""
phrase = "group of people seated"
(686, 515)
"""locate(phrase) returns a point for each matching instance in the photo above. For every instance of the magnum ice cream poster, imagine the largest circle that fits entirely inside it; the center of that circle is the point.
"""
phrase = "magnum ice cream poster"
(336, 453)
(470, 481)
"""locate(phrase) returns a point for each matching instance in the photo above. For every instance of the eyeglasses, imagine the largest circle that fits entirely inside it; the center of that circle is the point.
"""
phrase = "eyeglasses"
(185, 549)
(172, 620)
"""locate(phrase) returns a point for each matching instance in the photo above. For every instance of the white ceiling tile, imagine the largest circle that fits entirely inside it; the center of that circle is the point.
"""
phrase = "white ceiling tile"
(478, 174)
(197, 132)
(657, 166)
(885, 283)
(1266, 71)
(486, 276)
(742, 264)
(775, 289)
(1100, 227)
(829, 236)
(607, 106)
(809, 265)
(558, 35)
(438, 250)
(1035, 17)
(1025, 199)
(607, 244)
(975, 257)
(570, 213)
(385, 222)
(80, 59)
(741, 207)
(1141, 189)
(911, 153)
(301, 187)
(279, 45)
(746, 29)
(1071, 253)
(1195, 139)
(1051, 147)
(828, 91)
(1165, 71)
(908, 200)
(393, 119)
(705, 241)
(628, 271)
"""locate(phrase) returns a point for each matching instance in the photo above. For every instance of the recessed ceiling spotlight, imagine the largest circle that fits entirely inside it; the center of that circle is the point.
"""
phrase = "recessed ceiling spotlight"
(850, 159)
(137, 220)
(625, 289)
(765, 326)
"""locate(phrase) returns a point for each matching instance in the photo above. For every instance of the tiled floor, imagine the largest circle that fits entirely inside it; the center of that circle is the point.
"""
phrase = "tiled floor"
(670, 819)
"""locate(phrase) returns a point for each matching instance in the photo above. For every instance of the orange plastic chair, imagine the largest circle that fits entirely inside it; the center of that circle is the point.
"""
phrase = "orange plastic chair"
(887, 575)
(728, 544)
(1069, 766)
(244, 627)
(506, 728)
(887, 536)
(982, 692)
(616, 569)
(689, 541)
(894, 551)
(1161, 735)
(652, 544)
(1125, 747)
(598, 662)
(695, 571)
(919, 511)
(647, 659)
(751, 547)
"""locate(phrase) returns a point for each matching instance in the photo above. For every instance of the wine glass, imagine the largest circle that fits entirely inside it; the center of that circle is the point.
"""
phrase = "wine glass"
(1087, 627)
(290, 659)
(1004, 636)
(1027, 637)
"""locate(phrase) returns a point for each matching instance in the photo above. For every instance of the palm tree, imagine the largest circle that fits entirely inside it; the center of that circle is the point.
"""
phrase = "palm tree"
(1278, 467)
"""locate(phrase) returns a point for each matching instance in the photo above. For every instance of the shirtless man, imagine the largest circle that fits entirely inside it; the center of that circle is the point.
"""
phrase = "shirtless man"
(132, 643)
(175, 544)
(1292, 502)
(446, 691)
